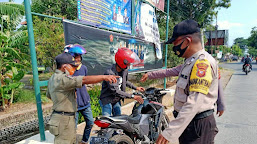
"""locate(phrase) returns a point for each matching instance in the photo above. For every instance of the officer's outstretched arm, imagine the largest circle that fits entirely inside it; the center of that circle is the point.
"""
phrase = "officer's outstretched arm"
(98, 78)
(162, 73)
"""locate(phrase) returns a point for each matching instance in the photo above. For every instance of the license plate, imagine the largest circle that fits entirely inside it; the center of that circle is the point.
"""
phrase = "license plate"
(98, 140)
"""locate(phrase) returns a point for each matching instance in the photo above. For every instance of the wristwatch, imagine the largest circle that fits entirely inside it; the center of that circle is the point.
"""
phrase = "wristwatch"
(132, 96)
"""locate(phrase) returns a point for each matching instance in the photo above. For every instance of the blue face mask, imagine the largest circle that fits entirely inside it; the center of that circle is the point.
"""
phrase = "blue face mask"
(178, 51)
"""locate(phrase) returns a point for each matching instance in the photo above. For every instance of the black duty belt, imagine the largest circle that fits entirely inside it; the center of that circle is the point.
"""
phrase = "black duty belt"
(64, 113)
(198, 116)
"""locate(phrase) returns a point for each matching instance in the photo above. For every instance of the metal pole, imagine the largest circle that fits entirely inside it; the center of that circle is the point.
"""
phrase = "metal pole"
(34, 68)
(167, 35)
(133, 17)
(46, 16)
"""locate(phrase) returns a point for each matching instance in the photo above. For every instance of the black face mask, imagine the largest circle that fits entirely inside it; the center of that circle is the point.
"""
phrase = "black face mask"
(178, 51)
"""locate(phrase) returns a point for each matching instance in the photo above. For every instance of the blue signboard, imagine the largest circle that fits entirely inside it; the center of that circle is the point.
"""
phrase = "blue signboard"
(110, 14)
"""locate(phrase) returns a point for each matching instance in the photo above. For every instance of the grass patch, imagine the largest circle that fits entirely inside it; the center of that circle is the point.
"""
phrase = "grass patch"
(28, 96)
(45, 76)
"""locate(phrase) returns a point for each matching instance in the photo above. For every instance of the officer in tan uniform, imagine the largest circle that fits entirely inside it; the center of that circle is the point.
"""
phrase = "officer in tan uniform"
(61, 90)
(196, 91)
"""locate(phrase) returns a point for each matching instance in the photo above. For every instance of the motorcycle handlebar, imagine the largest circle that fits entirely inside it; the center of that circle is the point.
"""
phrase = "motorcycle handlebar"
(138, 93)
(157, 91)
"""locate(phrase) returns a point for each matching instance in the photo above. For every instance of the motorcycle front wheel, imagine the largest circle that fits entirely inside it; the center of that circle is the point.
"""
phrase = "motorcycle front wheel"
(164, 122)
(121, 139)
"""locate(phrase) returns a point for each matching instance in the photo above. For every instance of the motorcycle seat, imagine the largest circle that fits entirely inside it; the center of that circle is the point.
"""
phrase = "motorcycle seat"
(123, 118)
(135, 120)
(117, 119)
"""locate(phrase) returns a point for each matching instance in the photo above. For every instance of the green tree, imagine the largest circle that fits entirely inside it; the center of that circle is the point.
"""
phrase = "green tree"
(49, 39)
(12, 61)
(202, 11)
(11, 14)
(241, 42)
(252, 40)
(49, 34)
(225, 49)
(12, 66)
(63, 8)
(236, 50)
(252, 51)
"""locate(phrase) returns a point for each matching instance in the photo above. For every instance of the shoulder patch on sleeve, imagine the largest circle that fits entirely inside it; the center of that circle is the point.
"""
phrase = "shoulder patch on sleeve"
(201, 77)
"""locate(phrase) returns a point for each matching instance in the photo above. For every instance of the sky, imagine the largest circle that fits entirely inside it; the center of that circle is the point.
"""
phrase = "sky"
(239, 18)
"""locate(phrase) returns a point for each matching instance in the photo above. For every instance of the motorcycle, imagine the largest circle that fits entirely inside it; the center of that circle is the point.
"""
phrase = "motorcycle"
(247, 69)
(143, 126)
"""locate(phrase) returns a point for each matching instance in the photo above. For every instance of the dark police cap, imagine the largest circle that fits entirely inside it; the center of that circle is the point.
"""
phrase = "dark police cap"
(65, 58)
(184, 28)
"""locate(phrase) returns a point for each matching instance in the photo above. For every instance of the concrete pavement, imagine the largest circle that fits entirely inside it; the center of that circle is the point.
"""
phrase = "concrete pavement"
(238, 125)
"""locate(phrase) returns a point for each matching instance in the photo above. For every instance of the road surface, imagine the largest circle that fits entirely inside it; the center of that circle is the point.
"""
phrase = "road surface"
(238, 125)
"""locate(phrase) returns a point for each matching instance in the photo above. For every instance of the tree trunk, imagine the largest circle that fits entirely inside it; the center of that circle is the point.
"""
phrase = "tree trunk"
(1, 96)
(3, 102)
(202, 38)
(12, 96)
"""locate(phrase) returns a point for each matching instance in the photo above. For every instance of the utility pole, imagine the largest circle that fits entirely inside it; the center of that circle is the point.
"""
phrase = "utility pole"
(216, 29)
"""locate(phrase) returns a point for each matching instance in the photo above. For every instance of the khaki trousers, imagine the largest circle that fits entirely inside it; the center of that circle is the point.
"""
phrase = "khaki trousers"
(63, 128)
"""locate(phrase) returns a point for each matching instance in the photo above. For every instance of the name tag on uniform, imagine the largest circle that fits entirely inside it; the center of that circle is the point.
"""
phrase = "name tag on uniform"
(183, 76)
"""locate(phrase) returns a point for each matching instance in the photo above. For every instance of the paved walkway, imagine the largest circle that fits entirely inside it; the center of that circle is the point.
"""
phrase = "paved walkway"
(238, 125)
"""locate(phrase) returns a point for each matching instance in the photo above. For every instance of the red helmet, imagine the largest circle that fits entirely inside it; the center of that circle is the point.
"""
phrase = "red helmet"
(124, 57)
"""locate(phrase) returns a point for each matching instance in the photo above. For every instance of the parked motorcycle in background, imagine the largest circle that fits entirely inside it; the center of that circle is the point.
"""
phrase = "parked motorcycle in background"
(143, 126)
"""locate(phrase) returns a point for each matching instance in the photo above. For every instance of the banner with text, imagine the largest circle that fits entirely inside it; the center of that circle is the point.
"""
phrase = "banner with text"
(157, 3)
(115, 14)
(102, 45)
(146, 25)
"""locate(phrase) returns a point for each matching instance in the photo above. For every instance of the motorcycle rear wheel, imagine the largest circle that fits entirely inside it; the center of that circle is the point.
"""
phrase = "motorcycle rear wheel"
(122, 139)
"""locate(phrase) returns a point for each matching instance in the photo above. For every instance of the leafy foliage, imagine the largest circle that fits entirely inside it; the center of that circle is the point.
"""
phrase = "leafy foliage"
(95, 97)
(252, 51)
(65, 8)
(236, 50)
(49, 39)
(11, 15)
(241, 42)
(225, 49)
(12, 70)
(13, 42)
(252, 40)
(202, 11)
(250, 43)
(28, 96)
(95, 106)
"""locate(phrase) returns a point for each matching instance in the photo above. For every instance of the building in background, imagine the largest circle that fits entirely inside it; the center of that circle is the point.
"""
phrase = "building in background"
(216, 37)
